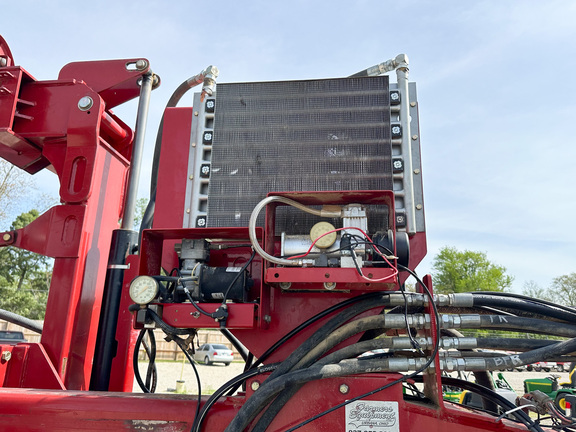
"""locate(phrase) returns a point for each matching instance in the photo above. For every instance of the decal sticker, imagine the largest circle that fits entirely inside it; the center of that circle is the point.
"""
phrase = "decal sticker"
(372, 416)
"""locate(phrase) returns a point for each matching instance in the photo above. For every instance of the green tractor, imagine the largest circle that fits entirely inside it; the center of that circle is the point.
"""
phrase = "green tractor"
(552, 388)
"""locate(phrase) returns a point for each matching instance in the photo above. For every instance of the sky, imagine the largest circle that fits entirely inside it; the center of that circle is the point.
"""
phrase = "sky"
(496, 92)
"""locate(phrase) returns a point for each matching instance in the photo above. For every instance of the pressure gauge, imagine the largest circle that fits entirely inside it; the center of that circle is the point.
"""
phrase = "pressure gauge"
(322, 228)
(143, 289)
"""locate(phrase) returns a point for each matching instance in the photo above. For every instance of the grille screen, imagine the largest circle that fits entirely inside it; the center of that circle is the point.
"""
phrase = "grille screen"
(314, 135)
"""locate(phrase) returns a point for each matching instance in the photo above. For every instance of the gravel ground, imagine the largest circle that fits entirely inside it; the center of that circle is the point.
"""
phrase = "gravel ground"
(212, 377)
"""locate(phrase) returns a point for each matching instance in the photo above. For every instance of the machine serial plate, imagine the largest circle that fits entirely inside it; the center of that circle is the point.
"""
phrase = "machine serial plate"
(372, 416)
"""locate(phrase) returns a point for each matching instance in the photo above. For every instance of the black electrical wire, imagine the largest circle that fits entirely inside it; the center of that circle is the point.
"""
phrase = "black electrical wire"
(193, 364)
(271, 388)
(152, 371)
(234, 382)
(494, 396)
(326, 329)
(324, 346)
(294, 360)
(311, 321)
(307, 324)
(137, 376)
(240, 273)
(406, 377)
(167, 328)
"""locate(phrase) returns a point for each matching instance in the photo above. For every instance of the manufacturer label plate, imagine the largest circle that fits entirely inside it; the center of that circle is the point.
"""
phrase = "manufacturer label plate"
(372, 416)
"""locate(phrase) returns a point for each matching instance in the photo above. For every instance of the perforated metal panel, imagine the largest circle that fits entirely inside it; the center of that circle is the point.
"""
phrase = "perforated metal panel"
(314, 135)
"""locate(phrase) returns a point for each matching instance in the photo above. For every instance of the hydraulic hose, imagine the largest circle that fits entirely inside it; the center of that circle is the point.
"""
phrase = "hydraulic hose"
(234, 382)
(326, 329)
(524, 305)
(20, 320)
(207, 77)
(491, 395)
(264, 394)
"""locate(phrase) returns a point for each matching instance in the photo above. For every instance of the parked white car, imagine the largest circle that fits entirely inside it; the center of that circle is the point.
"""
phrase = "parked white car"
(214, 353)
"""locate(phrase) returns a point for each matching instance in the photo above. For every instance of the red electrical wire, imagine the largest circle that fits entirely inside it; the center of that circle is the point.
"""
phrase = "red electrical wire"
(393, 275)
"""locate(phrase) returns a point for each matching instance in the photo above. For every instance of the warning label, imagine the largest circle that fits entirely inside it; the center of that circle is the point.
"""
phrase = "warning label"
(372, 416)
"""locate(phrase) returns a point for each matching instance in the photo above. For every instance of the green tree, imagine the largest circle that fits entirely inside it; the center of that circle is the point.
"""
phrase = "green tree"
(457, 271)
(563, 289)
(532, 289)
(24, 276)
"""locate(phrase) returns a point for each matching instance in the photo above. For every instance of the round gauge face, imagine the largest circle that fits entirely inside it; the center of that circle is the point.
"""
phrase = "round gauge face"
(143, 289)
(322, 228)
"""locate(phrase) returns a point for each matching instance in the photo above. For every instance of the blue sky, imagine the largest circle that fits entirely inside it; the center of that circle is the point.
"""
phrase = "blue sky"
(496, 90)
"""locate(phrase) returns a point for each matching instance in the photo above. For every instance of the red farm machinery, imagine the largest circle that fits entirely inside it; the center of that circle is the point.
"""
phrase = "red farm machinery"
(287, 215)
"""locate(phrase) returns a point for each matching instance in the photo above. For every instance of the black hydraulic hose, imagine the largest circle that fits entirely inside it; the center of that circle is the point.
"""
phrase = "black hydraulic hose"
(493, 396)
(311, 321)
(523, 297)
(20, 320)
(234, 382)
(265, 393)
(326, 329)
(524, 305)
(534, 356)
(513, 344)
(236, 343)
(281, 400)
(522, 324)
(307, 324)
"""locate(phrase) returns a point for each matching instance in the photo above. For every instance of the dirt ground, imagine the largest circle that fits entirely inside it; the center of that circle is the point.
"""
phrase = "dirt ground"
(212, 377)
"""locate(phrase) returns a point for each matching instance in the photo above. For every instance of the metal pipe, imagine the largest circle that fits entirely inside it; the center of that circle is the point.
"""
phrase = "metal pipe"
(402, 72)
(137, 150)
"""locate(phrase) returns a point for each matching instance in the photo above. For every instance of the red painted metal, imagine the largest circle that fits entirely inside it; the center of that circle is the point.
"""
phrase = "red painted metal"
(240, 316)
(32, 410)
(41, 125)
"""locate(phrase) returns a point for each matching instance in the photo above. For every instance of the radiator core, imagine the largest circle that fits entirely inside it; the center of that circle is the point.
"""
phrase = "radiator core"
(312, 135)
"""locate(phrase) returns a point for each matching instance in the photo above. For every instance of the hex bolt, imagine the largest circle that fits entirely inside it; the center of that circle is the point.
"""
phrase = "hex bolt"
(141, 64)
(344, 389)
(6, 355)
(329, 285)
(195, 314)
(414, 137)
(267, 318)
(85, 103)
(419, 207)
(285, 285)
(255, 385)
(416, 171)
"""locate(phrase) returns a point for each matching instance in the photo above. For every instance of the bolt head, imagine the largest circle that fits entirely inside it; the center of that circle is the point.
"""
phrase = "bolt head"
(3, 61)
(255, 385)
(6, 355)
(344, 388)
(6, 237)
(141, 64)
(85, 103)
